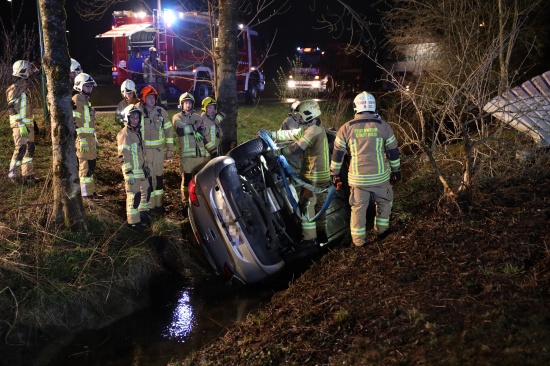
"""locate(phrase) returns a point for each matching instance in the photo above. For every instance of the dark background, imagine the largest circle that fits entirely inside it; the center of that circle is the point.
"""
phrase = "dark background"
(297, 26)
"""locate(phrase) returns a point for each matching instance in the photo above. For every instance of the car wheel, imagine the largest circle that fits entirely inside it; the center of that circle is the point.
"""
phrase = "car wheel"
(202, 90)
(248, 150)
(252, 92)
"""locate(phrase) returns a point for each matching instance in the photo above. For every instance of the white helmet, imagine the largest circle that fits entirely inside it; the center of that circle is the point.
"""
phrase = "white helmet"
(152, 49)
(293, 106)
(82, 79)
(309, 110)
(364, 102)
(75, 66)
(127, 86)
(187, 96)
(23, 69)
(128, 111)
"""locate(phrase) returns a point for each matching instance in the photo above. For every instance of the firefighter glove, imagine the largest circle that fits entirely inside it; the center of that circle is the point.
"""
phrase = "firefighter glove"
(84, 148)
(146, 171)
(198, 136)
(23, 130)
(336, 181)
(395, 177)
(130, 179)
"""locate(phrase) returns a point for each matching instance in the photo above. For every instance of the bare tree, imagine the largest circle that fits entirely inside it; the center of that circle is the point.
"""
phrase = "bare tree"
(450, 58)
(473, 53)
(227, 70)
(68, 206)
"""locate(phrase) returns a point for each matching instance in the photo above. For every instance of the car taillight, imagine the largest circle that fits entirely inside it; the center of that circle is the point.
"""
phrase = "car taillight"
(227, 271)
(192, 194)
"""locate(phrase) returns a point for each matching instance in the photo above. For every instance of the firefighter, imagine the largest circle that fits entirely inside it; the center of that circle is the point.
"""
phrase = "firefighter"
(310, 142)
(191, 133)
(131, 154)
(154, 74)
(74, 70)
(129, 95)
(86, 140)
(157, 134)
(293, 121)
(212, 120)
(22, 124)
(374, 166)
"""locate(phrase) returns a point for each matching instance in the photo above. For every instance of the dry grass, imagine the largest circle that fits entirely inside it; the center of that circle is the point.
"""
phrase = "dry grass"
(445, 288)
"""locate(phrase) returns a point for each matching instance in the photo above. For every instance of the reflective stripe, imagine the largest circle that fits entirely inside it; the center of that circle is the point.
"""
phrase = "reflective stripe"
(27, 160)
(395, 163)
(369, 179)
(86, 127)
(86, 180)
(380, 154)
(132, 168)
(382, 222)
(362, 231)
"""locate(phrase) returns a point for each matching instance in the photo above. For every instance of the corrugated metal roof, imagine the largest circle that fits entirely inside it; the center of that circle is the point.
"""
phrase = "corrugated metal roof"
(526, 108)
(124, 30)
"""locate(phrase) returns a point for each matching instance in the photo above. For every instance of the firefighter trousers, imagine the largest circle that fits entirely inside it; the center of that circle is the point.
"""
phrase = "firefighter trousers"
(86, 167)
(310, 204)
(359, 200)
(188, 167)
(155, 159)
(137, 196)
(22, 159)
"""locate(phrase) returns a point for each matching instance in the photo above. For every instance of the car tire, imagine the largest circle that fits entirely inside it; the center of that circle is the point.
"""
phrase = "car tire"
(252, 93)
(247, 150)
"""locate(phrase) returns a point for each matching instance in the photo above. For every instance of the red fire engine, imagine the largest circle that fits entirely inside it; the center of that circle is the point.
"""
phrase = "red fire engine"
(183, 41)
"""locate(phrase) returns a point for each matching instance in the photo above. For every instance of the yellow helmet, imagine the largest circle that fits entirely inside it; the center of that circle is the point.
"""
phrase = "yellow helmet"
(208, 101)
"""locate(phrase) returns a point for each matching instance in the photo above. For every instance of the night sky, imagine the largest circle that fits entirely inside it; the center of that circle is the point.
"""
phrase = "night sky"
(294, 28)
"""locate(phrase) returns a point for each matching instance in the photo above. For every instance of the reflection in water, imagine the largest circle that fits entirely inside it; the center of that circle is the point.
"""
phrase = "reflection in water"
(183, 319)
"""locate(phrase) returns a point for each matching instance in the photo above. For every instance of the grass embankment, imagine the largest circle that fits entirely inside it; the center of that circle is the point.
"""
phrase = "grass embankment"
(52, 276)
(448, 286)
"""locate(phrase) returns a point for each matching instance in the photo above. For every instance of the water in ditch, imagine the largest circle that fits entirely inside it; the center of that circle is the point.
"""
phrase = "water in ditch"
(181, 319)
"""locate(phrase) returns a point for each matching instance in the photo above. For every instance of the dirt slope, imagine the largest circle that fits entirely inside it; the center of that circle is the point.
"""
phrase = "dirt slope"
(447, 287)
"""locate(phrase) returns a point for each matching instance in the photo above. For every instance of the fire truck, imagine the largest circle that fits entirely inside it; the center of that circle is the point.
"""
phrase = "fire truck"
(326, 68)
(183, 41)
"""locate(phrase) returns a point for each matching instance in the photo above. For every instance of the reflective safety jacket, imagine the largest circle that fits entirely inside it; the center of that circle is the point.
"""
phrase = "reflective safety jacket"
(19, 104)
(156, 129)
(185, 124)
(312, 141)
(213, 132)
(84, 119)
(372, 147)
(131, 153)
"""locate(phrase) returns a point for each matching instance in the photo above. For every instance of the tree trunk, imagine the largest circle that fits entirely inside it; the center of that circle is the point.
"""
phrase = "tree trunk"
(227, 71)
(68, 207)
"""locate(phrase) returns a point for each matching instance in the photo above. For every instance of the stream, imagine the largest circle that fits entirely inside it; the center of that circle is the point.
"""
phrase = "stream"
(180, 320)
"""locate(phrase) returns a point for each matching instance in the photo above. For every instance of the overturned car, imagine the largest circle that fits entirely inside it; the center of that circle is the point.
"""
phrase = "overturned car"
(243, 214)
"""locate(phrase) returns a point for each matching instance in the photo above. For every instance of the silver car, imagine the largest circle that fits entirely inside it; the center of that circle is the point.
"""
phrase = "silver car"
(241, 212)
